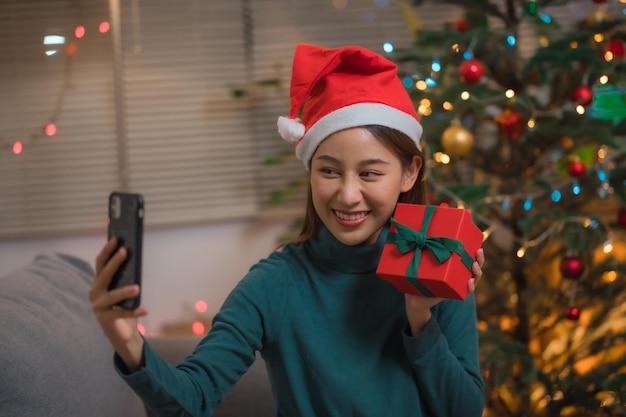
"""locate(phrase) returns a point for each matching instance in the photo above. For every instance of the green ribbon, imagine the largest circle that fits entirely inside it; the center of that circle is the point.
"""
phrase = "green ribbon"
(407, 240)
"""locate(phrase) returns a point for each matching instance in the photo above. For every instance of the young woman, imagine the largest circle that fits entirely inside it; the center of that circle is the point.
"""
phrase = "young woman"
(337, 339)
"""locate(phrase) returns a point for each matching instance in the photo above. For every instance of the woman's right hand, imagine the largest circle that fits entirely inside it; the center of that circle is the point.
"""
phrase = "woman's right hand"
(119, 325)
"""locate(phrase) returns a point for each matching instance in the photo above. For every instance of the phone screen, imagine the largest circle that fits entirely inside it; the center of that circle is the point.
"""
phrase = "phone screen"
(125, 222)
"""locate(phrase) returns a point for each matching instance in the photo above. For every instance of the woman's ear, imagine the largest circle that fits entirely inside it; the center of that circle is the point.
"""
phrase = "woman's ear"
(409, 175)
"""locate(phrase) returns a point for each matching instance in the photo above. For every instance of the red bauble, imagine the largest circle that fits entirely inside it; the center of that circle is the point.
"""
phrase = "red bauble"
(582, 95)
(621, 217)
(571, 267)
(617, 48)
(471, 71)
(576, 169)
(510, 124)
(461, 25)
(572, 313)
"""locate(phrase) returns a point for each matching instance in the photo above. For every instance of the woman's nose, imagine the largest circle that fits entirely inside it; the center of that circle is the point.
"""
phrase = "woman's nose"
(350, 191)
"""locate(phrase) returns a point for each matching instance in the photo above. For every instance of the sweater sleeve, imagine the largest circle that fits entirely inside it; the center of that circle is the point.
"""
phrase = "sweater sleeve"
(445, 361)
(199, 383)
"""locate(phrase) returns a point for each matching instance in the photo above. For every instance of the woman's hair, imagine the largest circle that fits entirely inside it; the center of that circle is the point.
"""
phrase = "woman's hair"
(402, 146)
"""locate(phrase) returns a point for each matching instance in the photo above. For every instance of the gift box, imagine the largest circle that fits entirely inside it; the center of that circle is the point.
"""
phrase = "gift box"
(430, 251)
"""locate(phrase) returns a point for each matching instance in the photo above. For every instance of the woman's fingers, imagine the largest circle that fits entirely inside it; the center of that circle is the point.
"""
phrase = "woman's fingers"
(105, 254)
(104, 274)
(477, 271)
(110, 298)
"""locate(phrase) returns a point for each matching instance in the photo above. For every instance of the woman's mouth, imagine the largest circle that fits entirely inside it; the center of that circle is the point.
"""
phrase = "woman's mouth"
(350, 219)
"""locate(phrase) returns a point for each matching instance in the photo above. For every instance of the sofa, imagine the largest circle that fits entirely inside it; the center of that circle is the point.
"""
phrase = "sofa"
(55, 360)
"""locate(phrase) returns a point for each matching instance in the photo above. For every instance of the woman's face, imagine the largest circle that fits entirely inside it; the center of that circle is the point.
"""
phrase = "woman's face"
(355, 184)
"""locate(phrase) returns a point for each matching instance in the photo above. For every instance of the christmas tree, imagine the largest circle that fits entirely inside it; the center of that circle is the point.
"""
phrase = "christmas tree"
(533, 143)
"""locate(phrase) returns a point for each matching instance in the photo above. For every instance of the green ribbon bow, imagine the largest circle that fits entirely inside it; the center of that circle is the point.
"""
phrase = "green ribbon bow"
(407, 240)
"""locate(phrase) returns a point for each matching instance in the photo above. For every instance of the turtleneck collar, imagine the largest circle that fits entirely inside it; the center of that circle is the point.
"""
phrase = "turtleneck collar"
(358, 259)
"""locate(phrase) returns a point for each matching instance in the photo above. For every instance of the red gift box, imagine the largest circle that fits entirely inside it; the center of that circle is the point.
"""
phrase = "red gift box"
(418, 236)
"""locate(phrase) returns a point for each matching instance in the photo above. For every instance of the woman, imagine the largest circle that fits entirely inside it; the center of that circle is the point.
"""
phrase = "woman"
(337, 339)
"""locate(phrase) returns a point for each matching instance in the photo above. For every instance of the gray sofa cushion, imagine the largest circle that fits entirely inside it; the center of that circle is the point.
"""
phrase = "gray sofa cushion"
(54, 359)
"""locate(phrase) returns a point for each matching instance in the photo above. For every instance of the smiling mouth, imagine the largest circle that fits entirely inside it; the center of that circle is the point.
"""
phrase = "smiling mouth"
(350, 216)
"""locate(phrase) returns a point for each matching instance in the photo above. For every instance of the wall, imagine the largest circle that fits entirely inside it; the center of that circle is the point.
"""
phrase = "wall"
(181, 265)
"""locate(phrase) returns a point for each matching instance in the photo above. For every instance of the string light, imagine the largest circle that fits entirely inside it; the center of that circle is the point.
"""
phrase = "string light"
(104, 27)
(510, 93)
(465, 95)
(17, 147)
(201, 306)
(79, 32)
(50, 129)
(607, 247)
(53, 44)
(580, 109)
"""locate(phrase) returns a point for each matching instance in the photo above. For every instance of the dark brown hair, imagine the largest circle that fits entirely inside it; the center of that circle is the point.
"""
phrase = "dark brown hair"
(402, 146)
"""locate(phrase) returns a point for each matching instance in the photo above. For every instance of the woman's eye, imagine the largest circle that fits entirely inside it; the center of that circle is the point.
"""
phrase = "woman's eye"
(370, 174)
(328, 171)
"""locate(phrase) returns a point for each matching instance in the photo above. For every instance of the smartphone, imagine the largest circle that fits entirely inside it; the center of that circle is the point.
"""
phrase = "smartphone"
(125, 222)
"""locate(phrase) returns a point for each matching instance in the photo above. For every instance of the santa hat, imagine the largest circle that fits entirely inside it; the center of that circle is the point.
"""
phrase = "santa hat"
(335, 89)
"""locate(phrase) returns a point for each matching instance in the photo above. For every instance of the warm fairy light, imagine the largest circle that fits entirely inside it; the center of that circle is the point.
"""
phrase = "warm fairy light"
(465, 95)
(604, 79)
(197, 328)
(531, 123)
(18, 147)
(543, 41)
(609, 276)
(601, 153)
(509, 93)
(580, 109)
(608, 56)
(447, 105)
(607, 247)
(573, 45)
(598, 37)
(425, 110)
(455, 47)
(421, 85)
(79, 32)
(141, 329)
(340, 4)
(442, 158)
(71, 49)
(104, 27)
(425, 102)
(201, 306)
(521, 252)
(50, 129)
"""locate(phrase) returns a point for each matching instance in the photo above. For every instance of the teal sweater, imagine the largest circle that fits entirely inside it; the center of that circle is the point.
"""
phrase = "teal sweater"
(334, 338)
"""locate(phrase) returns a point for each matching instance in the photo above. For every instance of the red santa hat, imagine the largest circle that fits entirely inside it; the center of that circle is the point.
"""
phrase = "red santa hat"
(335, 89)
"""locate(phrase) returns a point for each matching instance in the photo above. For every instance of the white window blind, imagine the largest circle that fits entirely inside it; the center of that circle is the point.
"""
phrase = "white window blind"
(188, 137)
(56, 184)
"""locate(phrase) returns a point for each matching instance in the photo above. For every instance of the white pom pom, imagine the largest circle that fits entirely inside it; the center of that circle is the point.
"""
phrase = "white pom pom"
(290, 129)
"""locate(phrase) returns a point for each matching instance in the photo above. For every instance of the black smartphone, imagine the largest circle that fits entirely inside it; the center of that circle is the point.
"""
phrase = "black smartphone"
(125, 222)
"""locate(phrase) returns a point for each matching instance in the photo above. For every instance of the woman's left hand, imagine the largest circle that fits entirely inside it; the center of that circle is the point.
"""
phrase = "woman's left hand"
(418, 307)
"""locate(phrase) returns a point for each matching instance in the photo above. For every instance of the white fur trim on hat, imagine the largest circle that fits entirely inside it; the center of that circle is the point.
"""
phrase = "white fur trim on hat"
(290, 129)
(359, 114)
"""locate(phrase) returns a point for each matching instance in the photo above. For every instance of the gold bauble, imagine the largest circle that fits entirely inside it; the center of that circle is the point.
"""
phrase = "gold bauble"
(597, 15)
(457, 141)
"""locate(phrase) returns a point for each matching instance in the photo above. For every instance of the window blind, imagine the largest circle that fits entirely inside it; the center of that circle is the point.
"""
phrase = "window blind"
(188, 136)
(55, 185)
